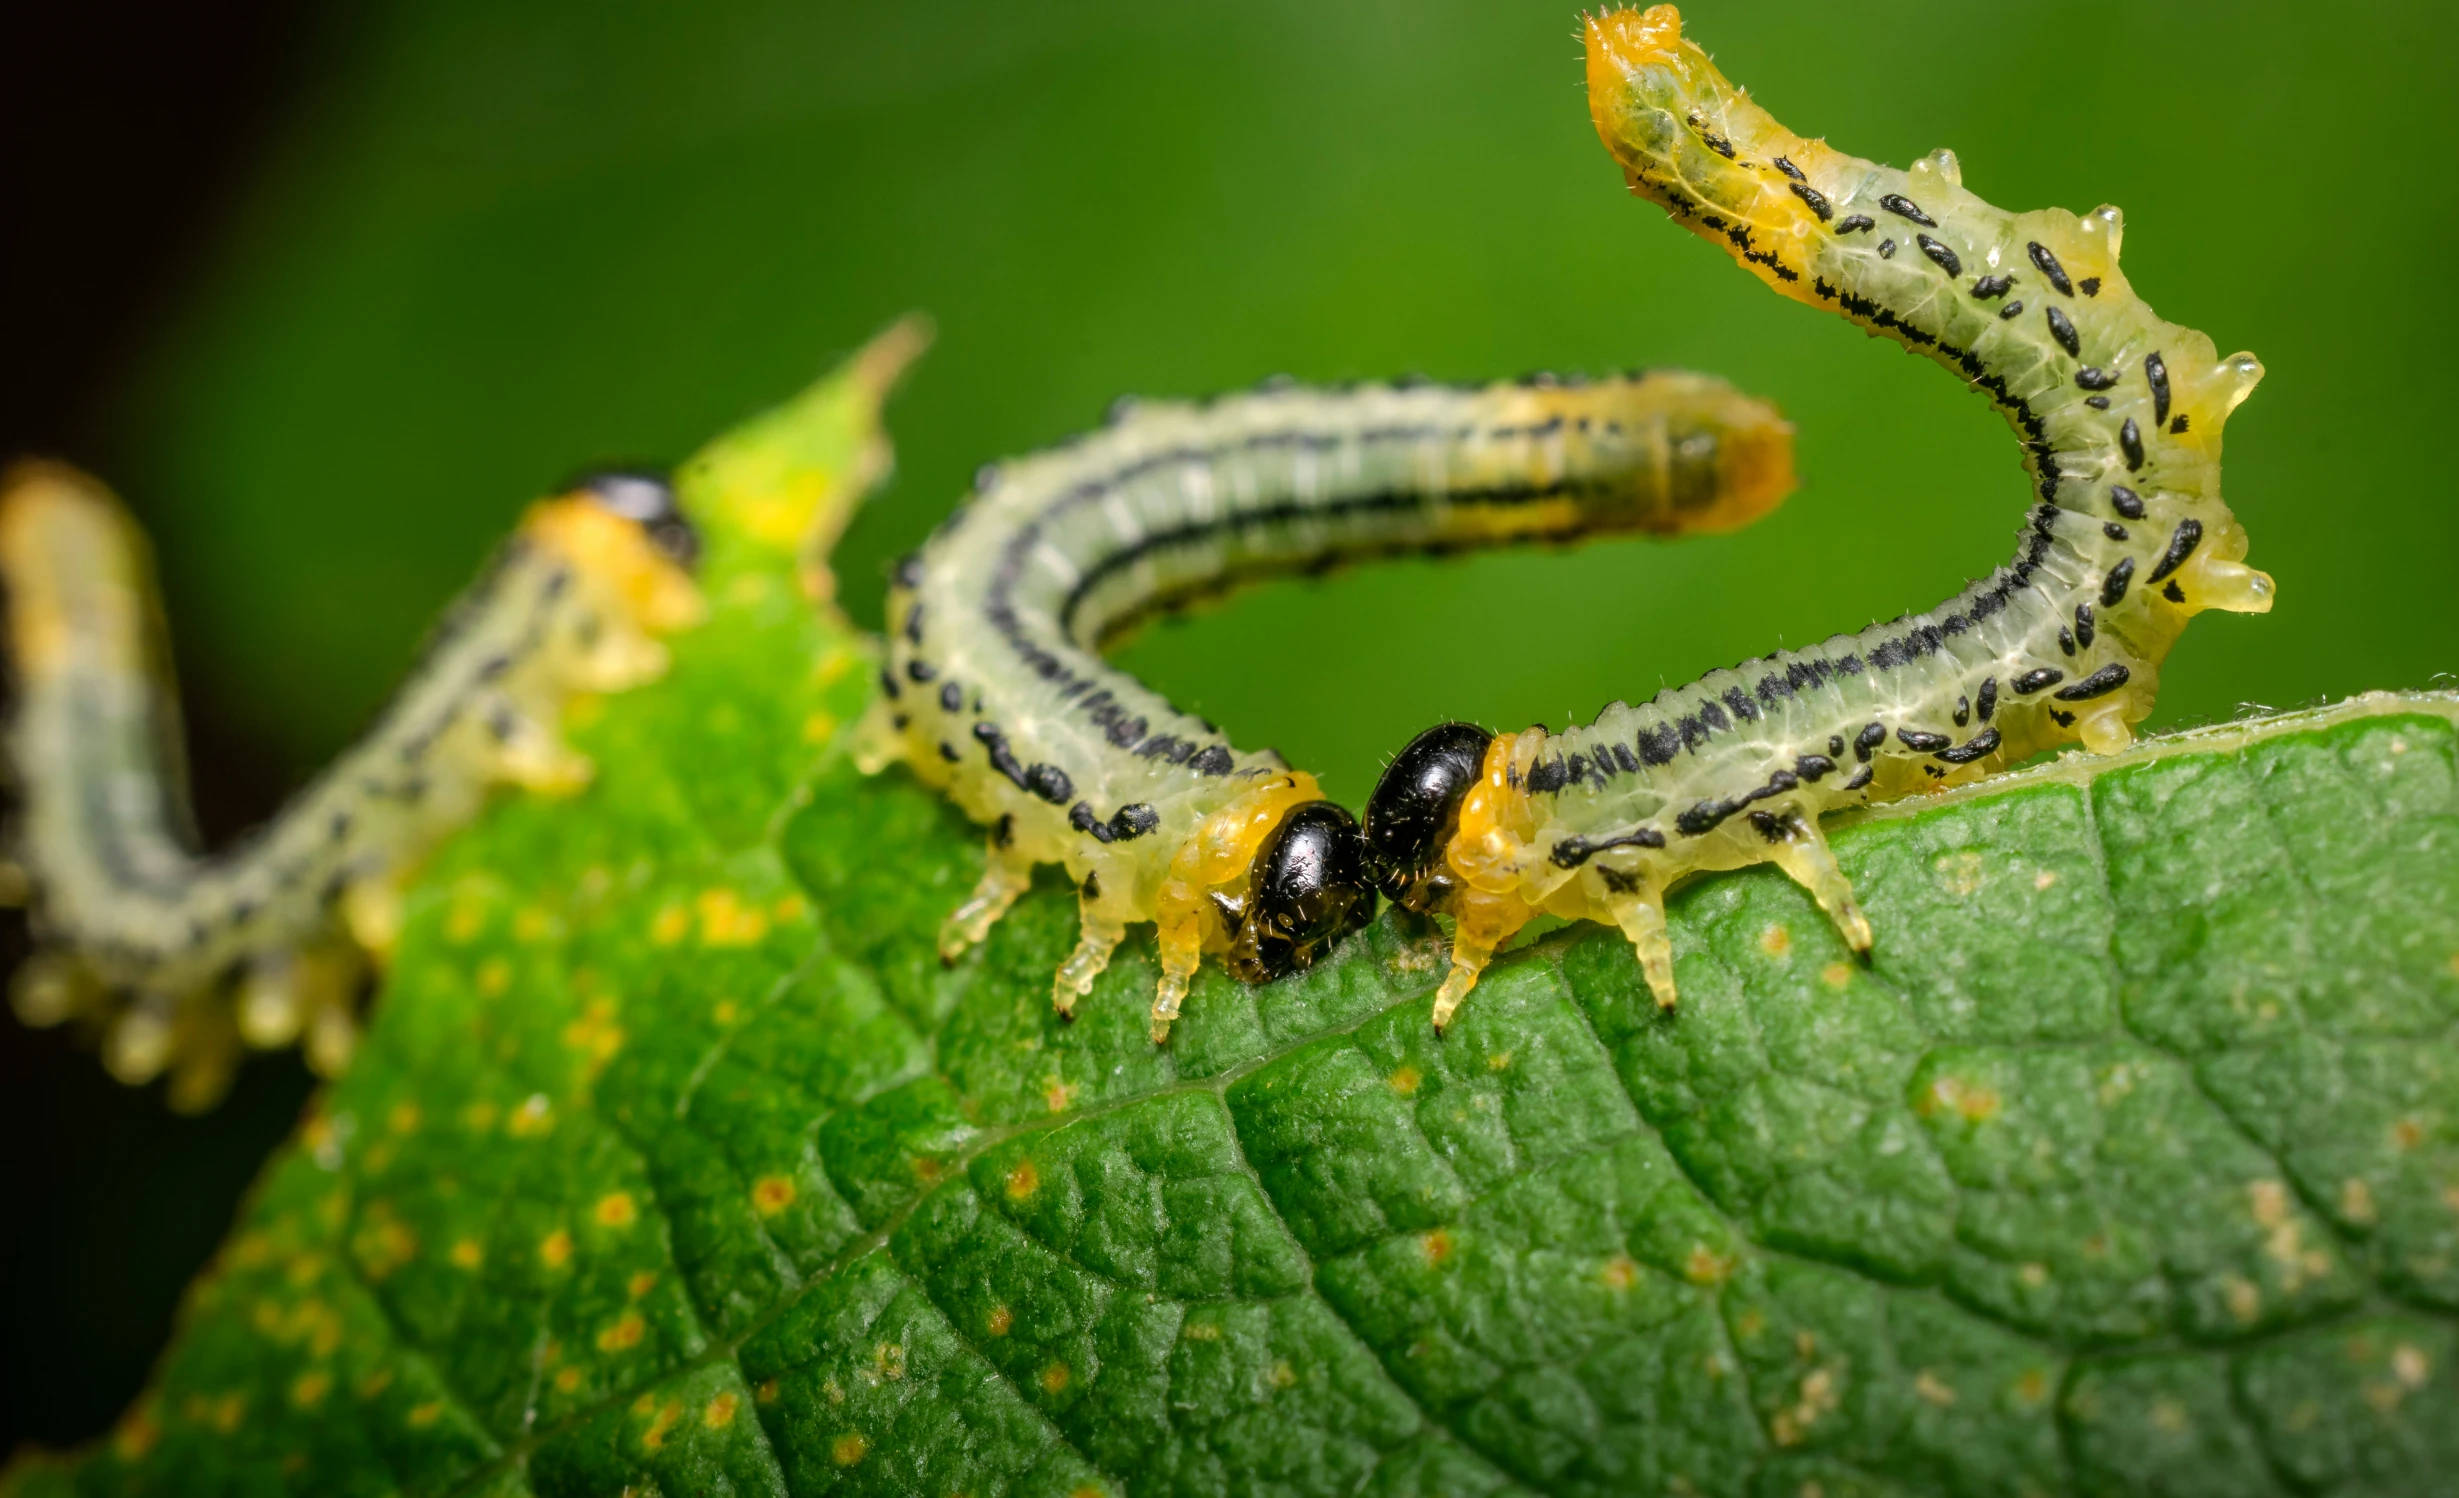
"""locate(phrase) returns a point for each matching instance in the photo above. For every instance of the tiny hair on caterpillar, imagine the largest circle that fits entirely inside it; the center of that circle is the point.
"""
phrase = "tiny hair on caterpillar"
(181, 958)
(994, 689)
(2127, 538)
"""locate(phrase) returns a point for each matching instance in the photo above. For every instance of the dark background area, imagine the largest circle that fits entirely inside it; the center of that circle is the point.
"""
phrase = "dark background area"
(128, 127)
(328, 297)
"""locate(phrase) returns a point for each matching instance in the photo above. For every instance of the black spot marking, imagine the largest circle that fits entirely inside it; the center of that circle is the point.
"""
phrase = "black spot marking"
(2011, 309)
(2099, 684)
(888, 684)
(1658, 743)
(1814, 767)
(1947, 259)
(2040, 678)
(2177, 424)
(2156, 371)
(2097, 402)
(913, 624)
(1214, 759)
(2089, 285)
(1548, 776)
(2113, 587)
(2126, 501)
(2064, 331)
(1861, 778)
(1904, 207)
(2066, 640)
(1856, 224)
(2085, 628)
(920, 670)
(1963, 711)
(2182, 542)
(1920, 741)
(2092, 378)
(2130, 441)
(1886, 249)
(2172, 592)
(2050, 267)
(951, 698)
(1986, 700)
(1992, 286)
(1980, 746)
(2113, 530)
(1571, 852)
(1867, 740)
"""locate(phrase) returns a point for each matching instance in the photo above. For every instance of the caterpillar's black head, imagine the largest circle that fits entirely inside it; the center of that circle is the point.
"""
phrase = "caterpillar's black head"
(648, 501)
(1415, 810)
(1305, 890)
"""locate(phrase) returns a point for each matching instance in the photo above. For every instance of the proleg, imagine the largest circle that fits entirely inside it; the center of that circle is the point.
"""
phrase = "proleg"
(994, 689)
(2124, 539)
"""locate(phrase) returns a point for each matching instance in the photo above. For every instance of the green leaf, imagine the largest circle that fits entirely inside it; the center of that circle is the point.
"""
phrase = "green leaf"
(675, 1161)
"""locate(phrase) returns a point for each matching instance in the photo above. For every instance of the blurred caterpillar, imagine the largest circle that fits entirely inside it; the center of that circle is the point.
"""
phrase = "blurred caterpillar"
(2120, 416)
(994, 689)
(143, 932)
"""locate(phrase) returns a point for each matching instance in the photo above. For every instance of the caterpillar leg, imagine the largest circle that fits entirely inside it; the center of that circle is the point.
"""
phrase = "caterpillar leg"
(1798, 847)
(1098, 937)
(1639, 910)
(1004, 878)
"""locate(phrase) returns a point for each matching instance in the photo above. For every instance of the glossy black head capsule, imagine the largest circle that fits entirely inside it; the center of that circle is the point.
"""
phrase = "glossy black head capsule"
(1305, 890)
(648, 501)
(1415, 810)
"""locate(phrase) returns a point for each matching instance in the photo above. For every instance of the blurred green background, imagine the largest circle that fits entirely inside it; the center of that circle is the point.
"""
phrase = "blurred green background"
(491, 242)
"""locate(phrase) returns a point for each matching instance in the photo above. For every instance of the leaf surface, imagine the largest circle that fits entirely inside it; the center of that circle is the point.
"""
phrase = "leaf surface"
(677, 1163)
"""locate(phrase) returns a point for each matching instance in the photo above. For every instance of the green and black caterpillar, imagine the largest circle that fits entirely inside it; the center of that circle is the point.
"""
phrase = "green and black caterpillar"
(144, 934)
(995, 690)
(2127, 539)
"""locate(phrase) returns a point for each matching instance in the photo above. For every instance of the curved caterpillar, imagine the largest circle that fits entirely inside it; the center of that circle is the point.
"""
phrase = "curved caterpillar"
(2119, 414)
(143, 931)
(994, 689)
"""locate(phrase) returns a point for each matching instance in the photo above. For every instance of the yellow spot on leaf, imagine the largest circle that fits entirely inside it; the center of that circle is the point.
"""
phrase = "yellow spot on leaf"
(555, 1249)
(848, 1449)
(423, 1415)
(311, 1387)
(640, 1284)
(567, 1380)
(1201, 1331)
(535, 1116)
(1436, 1246)
(479, 1117)
(1000, 1321)
(1404, 1080)
(2169, 1415)
(626, 1332)
(1959, 874)
(670, 925)
(1054, 1378)
(1023, 1180)
(1499, 1061)
(1776, 940)
(2033, 1386)
(1707, 1268)
(725, 1012)
(2245, 1301)
(720, 1411)
(494, 976)
(2356, 1201)
(1621, 1272)
(819, 728)
(466, 1254)
(1930, 1388)
(136, 1435)
(375, 1383)
(403, 1119)
(766, 1393)
(465, 920)
(1283, 1376)
(1836, 974)
(789, 908)
(771, 1195)
(2044, 879)
(654, 1438)
(532, 924)
(2033, 1275)
(2410, 1365)
(1058, 1095)
(725, 921)
(615, 1210)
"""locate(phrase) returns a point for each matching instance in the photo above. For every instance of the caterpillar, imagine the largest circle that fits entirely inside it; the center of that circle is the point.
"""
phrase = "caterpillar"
(994, 689)
(142, 932)
(2119, 414)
